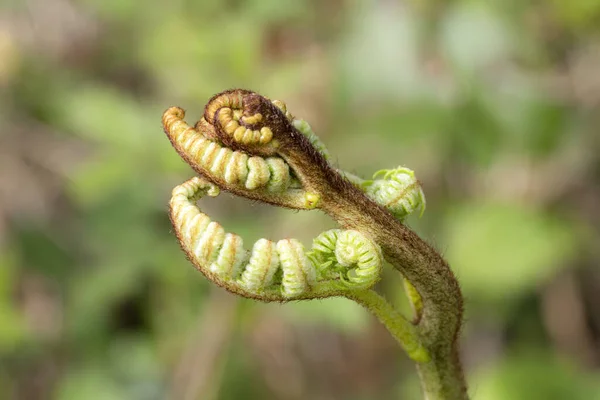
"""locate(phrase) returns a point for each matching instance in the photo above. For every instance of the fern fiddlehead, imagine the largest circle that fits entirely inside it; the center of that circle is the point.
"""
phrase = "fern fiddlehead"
(246, 163)
(253, 147)
(233, 167)
(272, 271)
(233, 146)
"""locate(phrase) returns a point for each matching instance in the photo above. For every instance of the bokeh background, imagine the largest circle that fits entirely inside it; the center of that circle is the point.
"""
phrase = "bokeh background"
(493, 103)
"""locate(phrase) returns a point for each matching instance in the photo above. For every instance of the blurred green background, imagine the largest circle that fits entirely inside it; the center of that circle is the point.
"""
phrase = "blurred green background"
(493, 103)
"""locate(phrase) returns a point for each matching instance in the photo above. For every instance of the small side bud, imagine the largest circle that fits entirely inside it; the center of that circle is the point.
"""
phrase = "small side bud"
(311, 200)
(399, 191)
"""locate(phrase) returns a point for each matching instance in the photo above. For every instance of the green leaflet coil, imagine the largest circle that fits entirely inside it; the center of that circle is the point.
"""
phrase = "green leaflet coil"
(234, 146)
(232, 167)
(399, 191)
(275, 271)
(348, 256)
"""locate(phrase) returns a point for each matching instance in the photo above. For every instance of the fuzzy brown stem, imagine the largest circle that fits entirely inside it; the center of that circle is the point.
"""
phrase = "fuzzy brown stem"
(439, 324)
(421, 264)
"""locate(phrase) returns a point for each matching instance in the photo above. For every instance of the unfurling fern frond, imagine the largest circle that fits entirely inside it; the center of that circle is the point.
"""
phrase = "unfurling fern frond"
(232, 167)
(349, 256)
(346, 260)
(398, 190)
(226, 112)
(254, 147)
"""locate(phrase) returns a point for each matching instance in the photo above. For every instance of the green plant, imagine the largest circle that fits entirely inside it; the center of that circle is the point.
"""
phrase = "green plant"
(253, 147)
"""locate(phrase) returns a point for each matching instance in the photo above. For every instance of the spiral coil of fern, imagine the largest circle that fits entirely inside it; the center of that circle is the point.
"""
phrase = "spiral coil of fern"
(271, 271)
(222, 163)
(246, 164)
(254, 147)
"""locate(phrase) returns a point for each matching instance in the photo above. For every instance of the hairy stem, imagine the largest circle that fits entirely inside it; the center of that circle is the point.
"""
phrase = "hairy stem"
(441, 377)
(442, 306)
(430, 275)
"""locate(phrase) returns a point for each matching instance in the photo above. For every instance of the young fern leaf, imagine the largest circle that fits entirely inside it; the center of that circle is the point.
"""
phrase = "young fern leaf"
(399, 191)
(355, 260)
(254, 147)
(226, 113)
(335, 250)
(246, 164)
(231, 167)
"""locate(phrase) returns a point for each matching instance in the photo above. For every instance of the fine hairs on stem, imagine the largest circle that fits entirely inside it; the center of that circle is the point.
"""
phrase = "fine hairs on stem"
(254, 147)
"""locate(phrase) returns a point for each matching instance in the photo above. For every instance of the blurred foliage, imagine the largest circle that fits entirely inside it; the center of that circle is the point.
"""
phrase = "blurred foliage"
(493, 104)
(504, 251)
